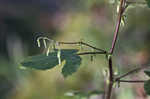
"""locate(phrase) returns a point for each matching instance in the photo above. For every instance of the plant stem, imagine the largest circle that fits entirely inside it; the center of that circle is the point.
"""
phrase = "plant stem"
(86, 53)
(132, 81)
(111, 76)
(121, 10)
(131, 72)
(85, 44)
(133, 2)
(111, 79)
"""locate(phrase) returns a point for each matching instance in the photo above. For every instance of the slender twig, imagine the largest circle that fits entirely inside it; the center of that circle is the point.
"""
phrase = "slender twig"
(86, 53)
(132, 81)
(121, 10)
(133, 2)
(131, 72)
(85, 44)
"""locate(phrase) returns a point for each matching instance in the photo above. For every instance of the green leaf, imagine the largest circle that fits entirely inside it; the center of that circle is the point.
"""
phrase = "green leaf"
(72, 64)
(147, 87)
(43, 61)
(147, 72)
(148, 3)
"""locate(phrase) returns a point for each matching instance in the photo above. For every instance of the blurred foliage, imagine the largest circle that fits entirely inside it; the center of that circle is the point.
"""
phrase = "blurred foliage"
(92, 21)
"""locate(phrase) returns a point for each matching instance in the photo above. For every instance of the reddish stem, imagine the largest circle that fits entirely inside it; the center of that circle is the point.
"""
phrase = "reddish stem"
(117, 26)
(111, 76)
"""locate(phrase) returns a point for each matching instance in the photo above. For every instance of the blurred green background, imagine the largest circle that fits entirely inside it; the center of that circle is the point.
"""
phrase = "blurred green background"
(93, 21)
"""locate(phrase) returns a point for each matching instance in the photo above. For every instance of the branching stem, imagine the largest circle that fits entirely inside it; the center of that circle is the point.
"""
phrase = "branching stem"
(111, 76)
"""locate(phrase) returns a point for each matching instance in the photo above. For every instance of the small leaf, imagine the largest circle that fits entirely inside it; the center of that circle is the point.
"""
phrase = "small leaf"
(147, 72)
(72, 64)
(147, 87)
